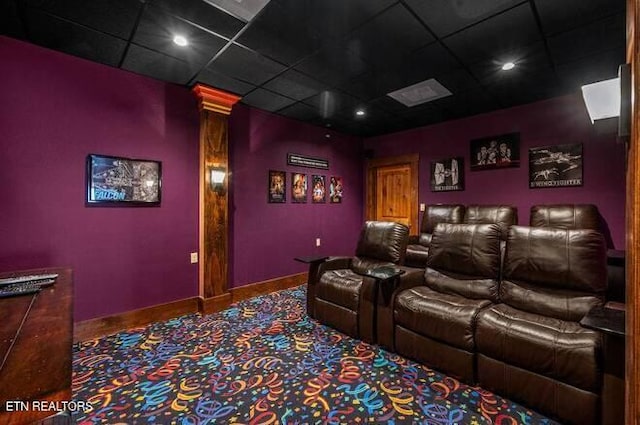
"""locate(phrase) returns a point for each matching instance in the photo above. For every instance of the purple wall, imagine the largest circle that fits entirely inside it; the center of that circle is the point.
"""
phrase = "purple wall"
(56, 109)
(266, 237)
(551, 122)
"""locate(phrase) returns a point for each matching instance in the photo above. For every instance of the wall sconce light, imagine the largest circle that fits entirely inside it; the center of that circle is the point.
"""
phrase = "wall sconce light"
(216, 178)
(602, 99)
(609, 99)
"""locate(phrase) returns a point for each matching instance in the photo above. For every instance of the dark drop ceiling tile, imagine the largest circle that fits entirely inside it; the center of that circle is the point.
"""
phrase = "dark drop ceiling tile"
(300, 111)
(223, 82)
(266, 100)
(393, 33)
(332, 65)
(602, 66)
(246, 65)
(157, 29)
(294, 85)
(116, 17)
(428, 62)
(10, 22)
(332, 19)
(447, 16)
(506, 32)
(280, 35)
(201, 13)
(77, 40)
(329, 104)
(558, 16)
(588, 40)
(519, 89)
(157, 65)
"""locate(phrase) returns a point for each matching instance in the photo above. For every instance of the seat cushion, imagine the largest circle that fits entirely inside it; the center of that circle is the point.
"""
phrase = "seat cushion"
(558, 349)
(341, 287)
(442, 317)
(416, 256)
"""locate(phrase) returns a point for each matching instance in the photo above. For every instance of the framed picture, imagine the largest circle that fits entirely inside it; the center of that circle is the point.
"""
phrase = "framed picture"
(447, 175)
(494, 152)
(298, 188)
(319, 190)
(114, 180)
(555, 166)
(335, 190)
(277, 186)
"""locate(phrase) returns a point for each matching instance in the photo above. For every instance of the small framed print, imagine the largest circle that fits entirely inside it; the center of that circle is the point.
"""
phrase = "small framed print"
(318, 189)
(490, 153)
(447, 175)
(555, 166)
(298, 188)
(335, 190)
(277, 187)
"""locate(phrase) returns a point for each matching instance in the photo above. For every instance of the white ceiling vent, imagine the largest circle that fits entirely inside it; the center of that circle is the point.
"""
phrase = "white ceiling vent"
(422, 92)
(241, 9)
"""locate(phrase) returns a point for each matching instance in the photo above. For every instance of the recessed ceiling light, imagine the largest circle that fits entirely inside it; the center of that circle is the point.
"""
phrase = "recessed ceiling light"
(360, 112)
(508, 66)
(180, 40)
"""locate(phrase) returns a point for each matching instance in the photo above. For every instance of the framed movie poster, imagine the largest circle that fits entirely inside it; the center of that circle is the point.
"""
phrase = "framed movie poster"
(298, 188)
(335, 190)
(555, 166)
(447, 175)
(277, 186)
(494, 152)
(318, 191)
(123, 181)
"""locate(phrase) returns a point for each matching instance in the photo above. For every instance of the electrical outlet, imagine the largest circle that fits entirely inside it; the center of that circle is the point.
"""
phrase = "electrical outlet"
(317, 241)
(423, 207)
(194, 257)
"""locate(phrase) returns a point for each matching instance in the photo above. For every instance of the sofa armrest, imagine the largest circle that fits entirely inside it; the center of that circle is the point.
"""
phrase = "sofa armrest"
(335, 263)
(385, 304)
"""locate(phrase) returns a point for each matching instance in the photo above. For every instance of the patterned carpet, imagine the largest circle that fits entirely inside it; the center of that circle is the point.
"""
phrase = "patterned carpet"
(263, 361)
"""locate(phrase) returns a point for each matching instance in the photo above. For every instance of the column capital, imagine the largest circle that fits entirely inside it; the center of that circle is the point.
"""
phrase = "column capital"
(214, 100)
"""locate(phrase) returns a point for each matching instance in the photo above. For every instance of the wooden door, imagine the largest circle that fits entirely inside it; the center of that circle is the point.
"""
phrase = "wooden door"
(392, 190)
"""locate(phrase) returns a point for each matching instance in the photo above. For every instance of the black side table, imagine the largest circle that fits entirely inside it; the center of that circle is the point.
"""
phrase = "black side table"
(611, 322)
(386, 278)
(314, 262)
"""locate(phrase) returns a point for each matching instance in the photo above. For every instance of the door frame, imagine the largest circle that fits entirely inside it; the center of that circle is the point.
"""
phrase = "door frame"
(632, 375)
(413, 160)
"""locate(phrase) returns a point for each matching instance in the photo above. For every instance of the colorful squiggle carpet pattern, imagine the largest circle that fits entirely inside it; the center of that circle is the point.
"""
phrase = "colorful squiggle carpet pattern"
(264, 361)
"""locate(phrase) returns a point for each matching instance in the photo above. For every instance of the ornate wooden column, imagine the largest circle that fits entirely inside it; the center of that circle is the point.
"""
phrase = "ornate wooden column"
(215, 107)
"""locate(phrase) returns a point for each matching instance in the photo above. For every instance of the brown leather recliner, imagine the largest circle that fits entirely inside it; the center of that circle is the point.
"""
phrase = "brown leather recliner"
(345, 298)
(584, 216)
(502, 215)
(531, 348)
(565, 216)
(418, 247)
(435, 323)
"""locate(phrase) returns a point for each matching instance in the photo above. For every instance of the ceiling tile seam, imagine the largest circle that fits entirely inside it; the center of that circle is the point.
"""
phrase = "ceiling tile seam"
(224, 48)
(198, 26)
(545, 41)
(133, 32)
(600, 17)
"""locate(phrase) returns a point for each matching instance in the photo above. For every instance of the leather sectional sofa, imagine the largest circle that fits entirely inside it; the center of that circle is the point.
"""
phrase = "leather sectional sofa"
(500, 314)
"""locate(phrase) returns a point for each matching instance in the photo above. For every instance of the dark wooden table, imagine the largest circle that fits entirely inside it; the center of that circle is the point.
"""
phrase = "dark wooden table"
(386, 278)
(314, 262)
(611, 322)
(36, 336)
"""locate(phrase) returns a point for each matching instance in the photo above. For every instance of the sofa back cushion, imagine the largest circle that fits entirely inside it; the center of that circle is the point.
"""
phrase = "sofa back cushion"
(434, 214)
(554, 272)
(502, 215)
(566, 216)
(383, 241)
(464, 259)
